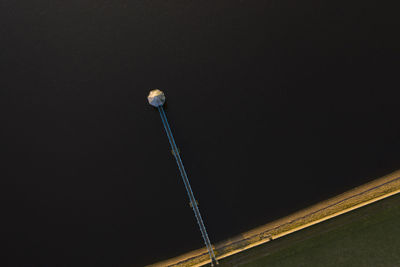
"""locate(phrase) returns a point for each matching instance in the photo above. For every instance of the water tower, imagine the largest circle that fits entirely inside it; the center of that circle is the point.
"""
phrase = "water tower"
(156, 98)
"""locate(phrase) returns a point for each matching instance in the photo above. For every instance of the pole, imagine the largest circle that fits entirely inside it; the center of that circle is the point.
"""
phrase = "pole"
(193, 202)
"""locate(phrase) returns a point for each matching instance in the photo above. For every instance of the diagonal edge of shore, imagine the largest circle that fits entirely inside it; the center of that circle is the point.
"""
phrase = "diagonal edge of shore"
(355, 198)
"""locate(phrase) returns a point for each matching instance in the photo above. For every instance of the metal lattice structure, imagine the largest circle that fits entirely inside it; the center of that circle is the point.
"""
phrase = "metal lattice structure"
(156, 98)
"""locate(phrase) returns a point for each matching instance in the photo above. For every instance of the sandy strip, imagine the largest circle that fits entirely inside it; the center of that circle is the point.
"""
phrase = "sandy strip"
(358, 197)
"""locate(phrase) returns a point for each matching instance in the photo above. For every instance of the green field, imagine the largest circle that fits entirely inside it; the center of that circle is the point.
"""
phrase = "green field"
(369, 236)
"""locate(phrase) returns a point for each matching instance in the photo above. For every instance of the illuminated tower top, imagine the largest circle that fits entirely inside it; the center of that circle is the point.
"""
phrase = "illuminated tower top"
(156, 98)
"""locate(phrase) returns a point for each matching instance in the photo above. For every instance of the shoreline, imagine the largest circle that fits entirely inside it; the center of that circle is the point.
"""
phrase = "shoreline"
(357, 197)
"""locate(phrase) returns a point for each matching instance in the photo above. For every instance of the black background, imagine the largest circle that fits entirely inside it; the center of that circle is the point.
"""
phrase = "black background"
(275, 105)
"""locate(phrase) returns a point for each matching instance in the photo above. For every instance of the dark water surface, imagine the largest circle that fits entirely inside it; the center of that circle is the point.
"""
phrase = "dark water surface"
(275, 105)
